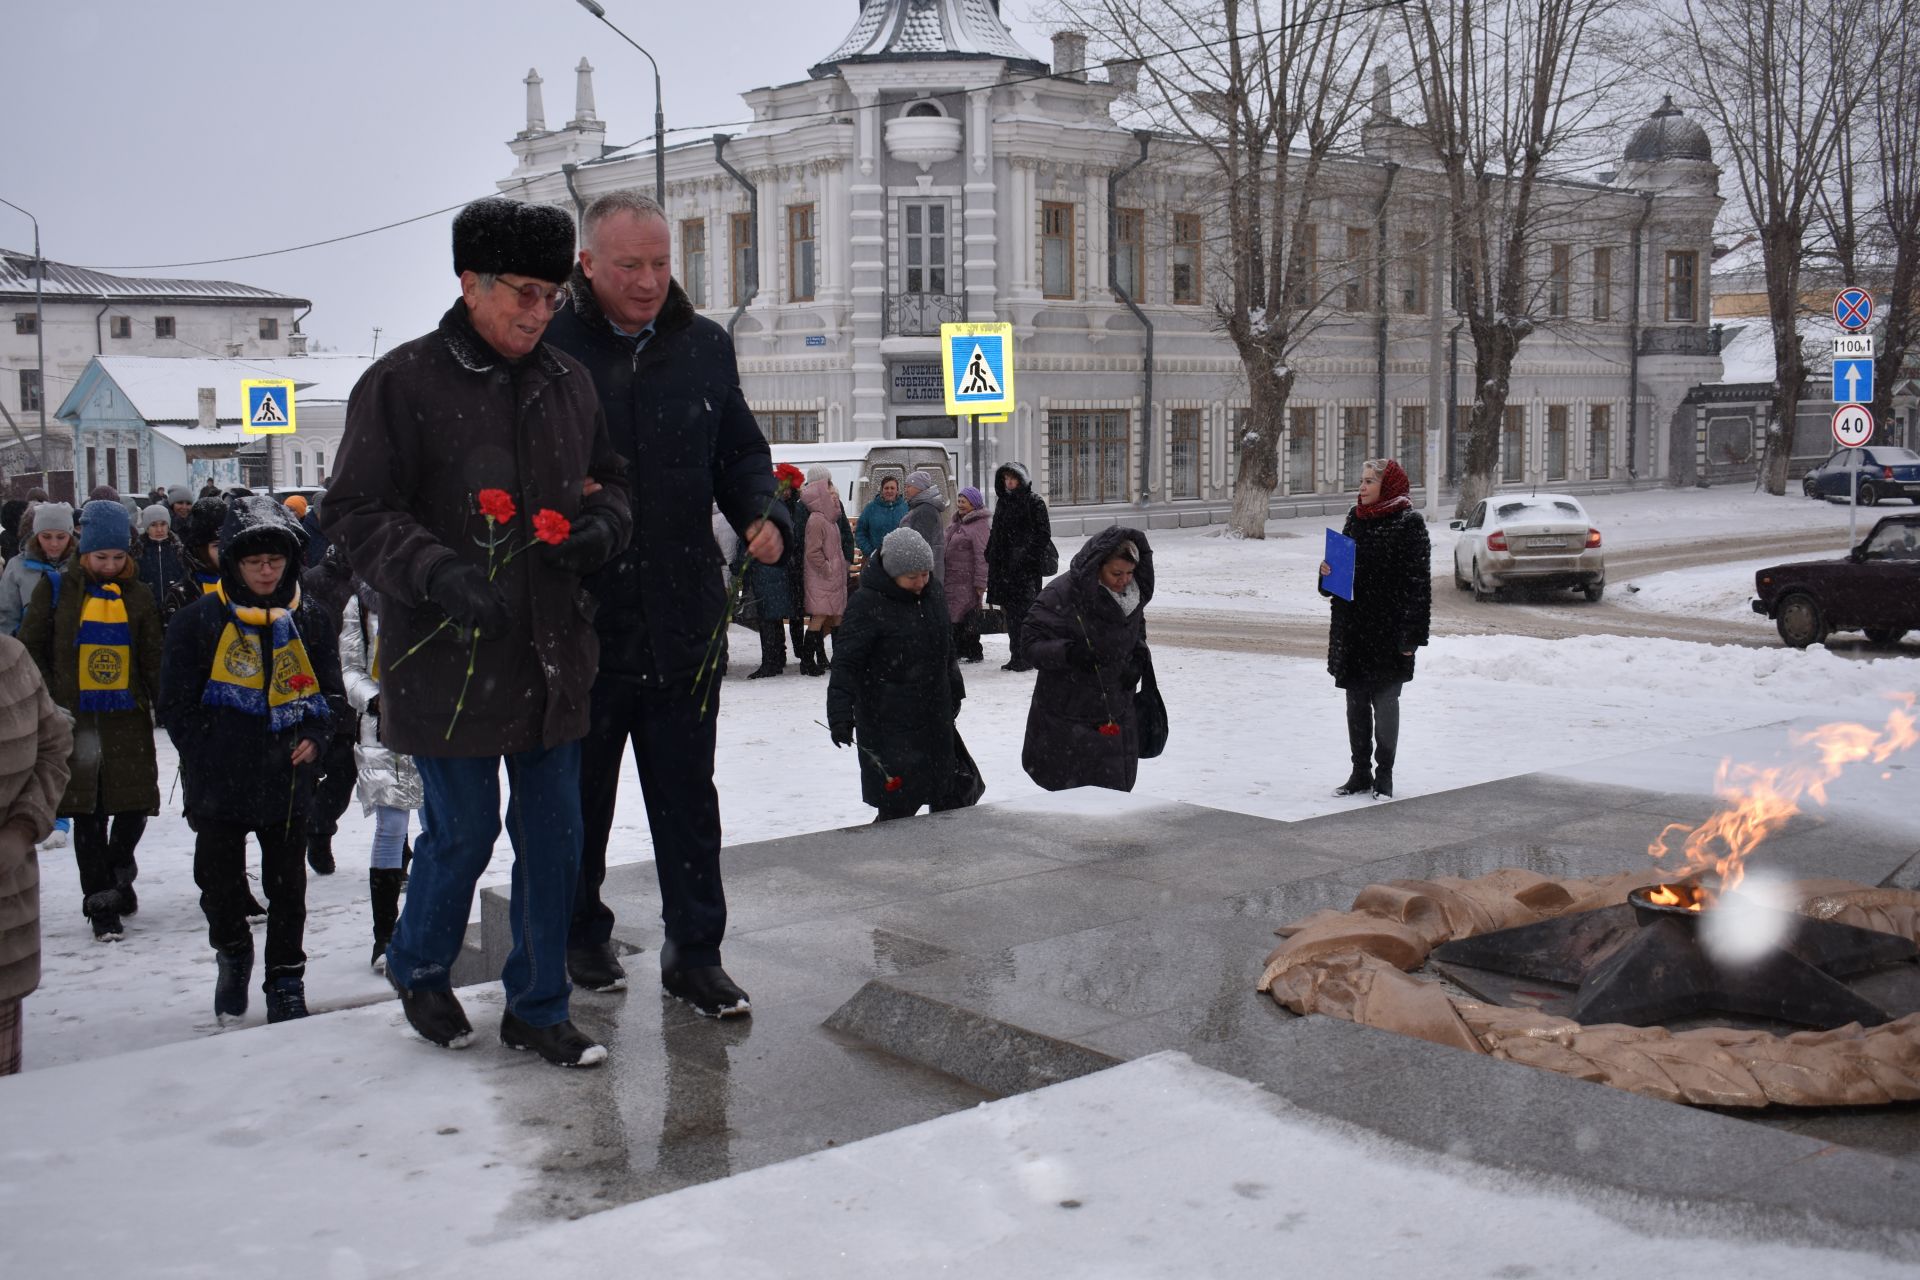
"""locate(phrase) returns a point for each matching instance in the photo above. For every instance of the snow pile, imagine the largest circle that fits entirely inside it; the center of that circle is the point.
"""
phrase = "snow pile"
(1722, 592)
(1667, 668)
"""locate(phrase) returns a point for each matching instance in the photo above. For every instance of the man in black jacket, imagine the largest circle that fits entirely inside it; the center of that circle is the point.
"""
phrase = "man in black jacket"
(670, 388)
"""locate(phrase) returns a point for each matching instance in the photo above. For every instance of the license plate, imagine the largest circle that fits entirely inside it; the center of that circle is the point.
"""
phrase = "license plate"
(1547, 544)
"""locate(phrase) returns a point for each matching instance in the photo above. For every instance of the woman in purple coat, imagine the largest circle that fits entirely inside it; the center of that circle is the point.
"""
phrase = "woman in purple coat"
(966, 565)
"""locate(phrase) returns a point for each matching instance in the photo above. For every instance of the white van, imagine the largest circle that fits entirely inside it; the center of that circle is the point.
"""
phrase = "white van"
(859, 467)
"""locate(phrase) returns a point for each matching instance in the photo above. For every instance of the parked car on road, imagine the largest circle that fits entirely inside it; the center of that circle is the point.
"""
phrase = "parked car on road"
(1881, 471)
(1875, 588)
(1534, 539)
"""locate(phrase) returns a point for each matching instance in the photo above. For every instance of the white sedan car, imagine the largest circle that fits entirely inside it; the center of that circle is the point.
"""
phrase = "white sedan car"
(1535, 539)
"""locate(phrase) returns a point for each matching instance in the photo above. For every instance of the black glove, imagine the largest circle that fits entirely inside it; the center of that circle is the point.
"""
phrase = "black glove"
(842, 735)
(464, 592)
(1080, 656)
(594, 539)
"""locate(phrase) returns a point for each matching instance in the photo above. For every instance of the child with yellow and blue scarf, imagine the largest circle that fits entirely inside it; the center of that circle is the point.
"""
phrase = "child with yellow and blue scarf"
(249, 692)
(95, 632)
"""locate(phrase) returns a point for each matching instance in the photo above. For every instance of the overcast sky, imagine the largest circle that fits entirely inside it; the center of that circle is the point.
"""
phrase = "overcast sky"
(165, 132)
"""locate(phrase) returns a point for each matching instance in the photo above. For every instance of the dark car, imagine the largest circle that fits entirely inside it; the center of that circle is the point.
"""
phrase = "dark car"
(1875, 589)
(1881, 471)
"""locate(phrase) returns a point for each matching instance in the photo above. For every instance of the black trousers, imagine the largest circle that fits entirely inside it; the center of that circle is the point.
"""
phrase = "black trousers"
(673, 753)
(334, 791)
(220, 869)
(1015, 606)
(103, 847)
(1373, 724)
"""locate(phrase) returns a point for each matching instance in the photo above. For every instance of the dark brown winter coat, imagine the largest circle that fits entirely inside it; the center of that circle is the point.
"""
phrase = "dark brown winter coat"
(1064, 746)
(1371, 639)
(114, 770)
(34, 743)
(429, 426)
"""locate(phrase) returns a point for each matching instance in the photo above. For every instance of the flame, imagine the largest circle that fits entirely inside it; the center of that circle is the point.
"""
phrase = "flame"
(1667, 895)
(1761, 799)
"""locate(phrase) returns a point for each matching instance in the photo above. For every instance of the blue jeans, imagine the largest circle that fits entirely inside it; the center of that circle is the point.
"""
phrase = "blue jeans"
(462, 821)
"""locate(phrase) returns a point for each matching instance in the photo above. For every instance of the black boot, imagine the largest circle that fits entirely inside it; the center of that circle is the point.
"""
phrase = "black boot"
(235, 965)
(773, 650)
(123, 876)
(1383, 782)
(435, 1014)
(1357, 781)
(406, 860)
(286, 998)
(383, 884)
(320, 854)
(816, 653)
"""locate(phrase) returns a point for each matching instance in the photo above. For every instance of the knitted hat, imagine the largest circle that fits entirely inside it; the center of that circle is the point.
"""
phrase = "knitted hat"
(296, 504)
(497, 236)
(257, 526)
(904, 551)
(105, 526)
(155, 514)
(972, 495)
(104, 493)
(917, 480)
(51, 517)
(818, 472)
(204, 521)
(179, 493)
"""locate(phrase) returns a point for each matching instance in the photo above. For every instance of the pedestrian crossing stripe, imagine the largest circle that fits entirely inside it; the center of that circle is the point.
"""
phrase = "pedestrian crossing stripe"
(976, 361)
(268, 406)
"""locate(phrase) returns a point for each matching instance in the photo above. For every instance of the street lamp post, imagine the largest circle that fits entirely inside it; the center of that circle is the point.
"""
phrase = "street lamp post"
(40, 328)
(659, 114)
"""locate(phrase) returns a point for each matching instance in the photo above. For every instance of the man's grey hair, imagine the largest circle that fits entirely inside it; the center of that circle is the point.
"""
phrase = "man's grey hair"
(625, 200)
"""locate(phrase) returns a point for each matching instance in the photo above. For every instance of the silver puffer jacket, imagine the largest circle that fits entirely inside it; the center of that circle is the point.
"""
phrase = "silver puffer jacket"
(386, 777)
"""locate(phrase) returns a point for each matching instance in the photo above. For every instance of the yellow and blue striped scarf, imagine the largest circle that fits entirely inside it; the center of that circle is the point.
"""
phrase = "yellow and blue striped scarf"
(106, 651)
(236, 680)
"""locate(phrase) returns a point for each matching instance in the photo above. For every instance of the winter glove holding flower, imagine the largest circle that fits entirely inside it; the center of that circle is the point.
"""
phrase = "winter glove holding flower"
(469, 599)
(592, 541)
(842, 735)
(1080, 656)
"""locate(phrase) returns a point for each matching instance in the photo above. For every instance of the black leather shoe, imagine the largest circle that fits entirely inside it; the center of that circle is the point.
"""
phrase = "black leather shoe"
(596, 968)
(708, 989)
(562, 1044)
(320, 855)
(436, 1015)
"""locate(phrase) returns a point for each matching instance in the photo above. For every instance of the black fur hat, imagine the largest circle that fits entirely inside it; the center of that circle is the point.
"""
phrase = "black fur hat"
(496, 236)
(204, 521)
(258, 526)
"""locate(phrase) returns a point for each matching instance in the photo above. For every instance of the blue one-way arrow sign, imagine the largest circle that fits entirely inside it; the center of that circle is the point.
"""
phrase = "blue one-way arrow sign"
(1852, 381)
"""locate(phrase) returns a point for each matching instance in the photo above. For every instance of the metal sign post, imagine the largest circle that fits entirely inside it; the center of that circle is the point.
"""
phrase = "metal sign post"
(1853, 391)
(1852, 428)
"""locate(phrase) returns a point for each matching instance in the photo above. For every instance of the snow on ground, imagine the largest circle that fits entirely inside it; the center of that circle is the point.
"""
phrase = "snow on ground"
(1253, 733)
(1157, 1167)
(1720, 592)
(1205, 569)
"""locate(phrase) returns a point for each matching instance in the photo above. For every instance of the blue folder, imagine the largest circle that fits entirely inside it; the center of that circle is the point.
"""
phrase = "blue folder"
(1339, 558)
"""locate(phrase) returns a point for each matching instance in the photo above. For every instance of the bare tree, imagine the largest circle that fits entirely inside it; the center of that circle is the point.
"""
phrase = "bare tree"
(1765, 73)
(1517, 95)
(1266, 91)
(1896, 220)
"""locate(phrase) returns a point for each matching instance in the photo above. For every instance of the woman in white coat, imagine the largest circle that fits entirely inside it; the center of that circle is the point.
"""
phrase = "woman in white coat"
(389, 784)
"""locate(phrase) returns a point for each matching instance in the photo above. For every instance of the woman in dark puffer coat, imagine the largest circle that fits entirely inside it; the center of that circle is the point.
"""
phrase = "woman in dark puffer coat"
(894, 680)
(1371, 640)
(1087, 634)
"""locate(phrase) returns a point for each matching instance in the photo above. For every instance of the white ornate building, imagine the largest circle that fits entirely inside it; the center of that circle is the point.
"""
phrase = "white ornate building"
(930, 169)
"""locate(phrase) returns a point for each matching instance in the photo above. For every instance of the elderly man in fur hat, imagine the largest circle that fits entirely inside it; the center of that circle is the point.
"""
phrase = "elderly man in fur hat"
(459, 446)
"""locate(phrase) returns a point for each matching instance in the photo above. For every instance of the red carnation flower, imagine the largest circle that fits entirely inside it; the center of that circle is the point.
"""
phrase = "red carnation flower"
(1109, 730)
(496, 505)
(789, 475)
(300, 683)
(550, 526)
(894, 784)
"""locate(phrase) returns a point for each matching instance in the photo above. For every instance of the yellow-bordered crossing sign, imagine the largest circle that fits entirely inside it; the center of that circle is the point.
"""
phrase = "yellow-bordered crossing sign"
(268, 404)
(976, 364)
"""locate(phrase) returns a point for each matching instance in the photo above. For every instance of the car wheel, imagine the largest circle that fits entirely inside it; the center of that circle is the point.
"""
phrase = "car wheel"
(1593, 591)
(1869, 496)
(1799, 620)
(1482, 593)
(1807, 487)
(1885, 636)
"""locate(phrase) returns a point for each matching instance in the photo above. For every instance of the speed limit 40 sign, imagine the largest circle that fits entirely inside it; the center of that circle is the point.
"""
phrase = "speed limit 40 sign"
(1852, 425)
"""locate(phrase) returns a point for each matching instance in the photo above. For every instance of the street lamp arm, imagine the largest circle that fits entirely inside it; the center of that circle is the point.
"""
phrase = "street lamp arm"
(659, 111)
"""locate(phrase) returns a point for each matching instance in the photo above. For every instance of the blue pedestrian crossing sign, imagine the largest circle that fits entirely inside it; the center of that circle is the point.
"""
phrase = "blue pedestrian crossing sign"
(976, 364)
(1853, 381)
(269, 406)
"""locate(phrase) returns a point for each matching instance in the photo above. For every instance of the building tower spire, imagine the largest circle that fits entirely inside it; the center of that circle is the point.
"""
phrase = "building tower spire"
(583, 116)
(536, 109)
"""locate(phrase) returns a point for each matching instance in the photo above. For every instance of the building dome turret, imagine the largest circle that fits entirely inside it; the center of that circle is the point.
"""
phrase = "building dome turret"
(926, 30)
(1668, 135)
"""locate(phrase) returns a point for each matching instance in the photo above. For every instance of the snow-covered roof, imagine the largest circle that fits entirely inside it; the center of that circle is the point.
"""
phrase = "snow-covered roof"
(204, 437)
(67, 282)
(887, 30)
(167, 388)
(1746, 351)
